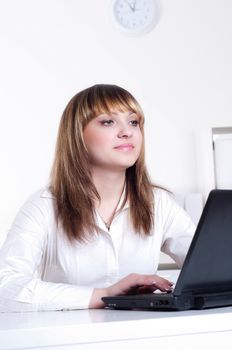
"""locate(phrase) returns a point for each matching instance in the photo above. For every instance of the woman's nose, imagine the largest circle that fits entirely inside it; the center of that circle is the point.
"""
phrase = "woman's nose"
(124, 132)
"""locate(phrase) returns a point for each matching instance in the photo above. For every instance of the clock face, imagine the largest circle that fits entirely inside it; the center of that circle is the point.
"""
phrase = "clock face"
(135, 16)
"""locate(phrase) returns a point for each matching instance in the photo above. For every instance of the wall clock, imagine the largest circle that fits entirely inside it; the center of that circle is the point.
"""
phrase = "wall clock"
(135, 17)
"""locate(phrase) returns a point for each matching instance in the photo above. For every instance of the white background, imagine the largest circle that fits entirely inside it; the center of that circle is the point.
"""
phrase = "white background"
(181, 73)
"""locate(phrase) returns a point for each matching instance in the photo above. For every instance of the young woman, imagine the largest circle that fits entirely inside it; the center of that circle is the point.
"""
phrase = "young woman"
(99, 226)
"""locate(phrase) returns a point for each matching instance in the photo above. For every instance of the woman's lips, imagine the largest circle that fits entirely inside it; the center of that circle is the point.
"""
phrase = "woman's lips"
(125, 147)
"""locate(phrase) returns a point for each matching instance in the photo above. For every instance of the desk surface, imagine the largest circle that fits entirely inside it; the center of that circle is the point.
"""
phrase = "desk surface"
(50, 329)
(86, 329)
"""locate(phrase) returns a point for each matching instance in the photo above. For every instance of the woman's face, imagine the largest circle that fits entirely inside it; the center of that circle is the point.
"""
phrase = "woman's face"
(113, 140)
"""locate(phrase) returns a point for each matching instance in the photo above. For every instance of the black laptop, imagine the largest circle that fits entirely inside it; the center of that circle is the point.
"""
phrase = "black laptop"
(205, 279)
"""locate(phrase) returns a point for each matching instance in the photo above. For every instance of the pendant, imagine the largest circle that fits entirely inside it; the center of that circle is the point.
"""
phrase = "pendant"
(107, 226)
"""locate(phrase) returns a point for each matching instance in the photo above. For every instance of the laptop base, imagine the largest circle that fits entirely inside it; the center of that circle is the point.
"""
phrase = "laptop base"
(169, 301)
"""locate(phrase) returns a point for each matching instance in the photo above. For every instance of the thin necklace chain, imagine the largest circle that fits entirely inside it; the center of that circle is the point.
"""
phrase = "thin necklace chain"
(109, 222)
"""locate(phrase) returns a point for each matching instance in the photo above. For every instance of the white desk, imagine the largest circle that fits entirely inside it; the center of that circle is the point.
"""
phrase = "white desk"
(108, 329)
(114, 329)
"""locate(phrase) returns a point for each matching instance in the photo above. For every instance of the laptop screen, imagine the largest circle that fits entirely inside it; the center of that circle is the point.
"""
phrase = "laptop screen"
(208, 264)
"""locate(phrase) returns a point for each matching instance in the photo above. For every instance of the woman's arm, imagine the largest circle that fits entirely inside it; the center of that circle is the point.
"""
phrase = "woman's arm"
(21, 287)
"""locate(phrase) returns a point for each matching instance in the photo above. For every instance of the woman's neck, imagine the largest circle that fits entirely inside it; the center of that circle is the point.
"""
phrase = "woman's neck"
(109, 184)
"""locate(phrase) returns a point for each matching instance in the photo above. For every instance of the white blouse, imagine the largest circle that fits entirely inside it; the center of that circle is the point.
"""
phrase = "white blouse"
(41, 270)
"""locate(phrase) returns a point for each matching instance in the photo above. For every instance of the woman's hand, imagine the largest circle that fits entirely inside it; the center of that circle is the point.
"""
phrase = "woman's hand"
(131, 284)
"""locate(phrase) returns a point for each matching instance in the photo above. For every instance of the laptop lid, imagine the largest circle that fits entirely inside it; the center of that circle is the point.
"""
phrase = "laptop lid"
(208, 264)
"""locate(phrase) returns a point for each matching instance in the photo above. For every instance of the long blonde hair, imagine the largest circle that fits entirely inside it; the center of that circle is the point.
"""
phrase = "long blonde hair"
(71, 181)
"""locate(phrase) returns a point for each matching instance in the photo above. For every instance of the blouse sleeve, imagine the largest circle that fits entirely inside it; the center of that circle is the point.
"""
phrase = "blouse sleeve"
(21, 288)
(178, 230)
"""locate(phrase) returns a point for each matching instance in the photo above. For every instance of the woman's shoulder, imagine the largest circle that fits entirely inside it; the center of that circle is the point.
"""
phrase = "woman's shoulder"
(41, 200)
(36, 217)
(42, 193)
(164, 199)
(162, 194)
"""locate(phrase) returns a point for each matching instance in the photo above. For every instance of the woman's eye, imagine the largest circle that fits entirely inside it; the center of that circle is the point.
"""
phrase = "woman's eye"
(134, 122)
(107, 122)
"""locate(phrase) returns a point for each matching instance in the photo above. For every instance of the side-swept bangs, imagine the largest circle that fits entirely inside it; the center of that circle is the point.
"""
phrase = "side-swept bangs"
(102, 99)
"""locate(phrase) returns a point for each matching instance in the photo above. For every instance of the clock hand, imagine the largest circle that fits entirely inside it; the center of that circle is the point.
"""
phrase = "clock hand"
(134, 5)
(131, 5)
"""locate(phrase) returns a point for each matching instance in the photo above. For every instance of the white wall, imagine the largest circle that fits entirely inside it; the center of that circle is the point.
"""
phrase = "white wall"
(181, 73)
